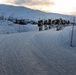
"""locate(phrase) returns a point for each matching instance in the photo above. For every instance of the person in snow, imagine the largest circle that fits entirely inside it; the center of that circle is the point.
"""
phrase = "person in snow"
(40, 24)
(45, 24)
(49, 23)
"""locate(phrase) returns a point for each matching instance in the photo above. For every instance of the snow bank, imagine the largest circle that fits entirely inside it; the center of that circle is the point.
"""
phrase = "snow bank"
(30, 27)
(65, 36)
(7, 27)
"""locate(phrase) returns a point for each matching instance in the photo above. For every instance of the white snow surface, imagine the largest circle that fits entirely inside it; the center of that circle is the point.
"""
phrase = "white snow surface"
(26, 51)
(36, 53)
(7, 27)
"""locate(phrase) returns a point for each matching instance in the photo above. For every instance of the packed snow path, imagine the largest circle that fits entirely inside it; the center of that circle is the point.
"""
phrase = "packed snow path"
(36, 53)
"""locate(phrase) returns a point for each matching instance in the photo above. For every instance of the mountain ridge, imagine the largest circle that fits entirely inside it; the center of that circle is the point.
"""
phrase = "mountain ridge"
(28, 13)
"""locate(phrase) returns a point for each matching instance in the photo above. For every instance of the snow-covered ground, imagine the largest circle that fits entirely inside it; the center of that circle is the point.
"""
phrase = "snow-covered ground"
(36, 53)
(7, 27)
(26, 51)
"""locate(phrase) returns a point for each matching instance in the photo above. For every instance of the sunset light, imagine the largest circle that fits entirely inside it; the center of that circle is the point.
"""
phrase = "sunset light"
(56, 6)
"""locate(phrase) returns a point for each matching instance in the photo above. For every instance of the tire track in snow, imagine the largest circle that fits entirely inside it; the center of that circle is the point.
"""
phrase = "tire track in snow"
(5, 45)
(31, 68)
(2, 44)
(28, 55)
(60, 58)
(8, 51)
(42, 55)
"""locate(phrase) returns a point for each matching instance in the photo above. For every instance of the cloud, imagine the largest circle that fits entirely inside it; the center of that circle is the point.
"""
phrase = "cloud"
(73, 13)
(43, 5)
(32, 2)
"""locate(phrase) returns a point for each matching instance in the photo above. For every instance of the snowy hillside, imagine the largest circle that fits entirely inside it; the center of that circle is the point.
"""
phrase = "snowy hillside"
(26, 13)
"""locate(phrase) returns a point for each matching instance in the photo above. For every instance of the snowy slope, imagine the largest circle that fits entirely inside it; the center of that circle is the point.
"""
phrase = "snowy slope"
(26, 13)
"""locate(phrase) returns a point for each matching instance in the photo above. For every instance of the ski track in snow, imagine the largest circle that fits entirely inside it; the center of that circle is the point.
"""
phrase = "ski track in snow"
(36, 53)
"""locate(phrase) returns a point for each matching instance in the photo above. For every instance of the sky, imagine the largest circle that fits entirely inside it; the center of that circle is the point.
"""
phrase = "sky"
(56, 6)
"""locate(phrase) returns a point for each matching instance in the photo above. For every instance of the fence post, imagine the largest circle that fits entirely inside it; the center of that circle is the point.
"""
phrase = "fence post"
(19, 28)
(72, 33)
